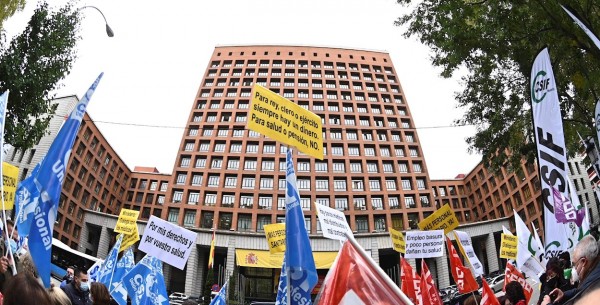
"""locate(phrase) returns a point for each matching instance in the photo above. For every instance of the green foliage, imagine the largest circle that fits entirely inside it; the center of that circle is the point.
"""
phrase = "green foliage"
(210, 280)
(31, 66)
(9, 8)
(497, 41)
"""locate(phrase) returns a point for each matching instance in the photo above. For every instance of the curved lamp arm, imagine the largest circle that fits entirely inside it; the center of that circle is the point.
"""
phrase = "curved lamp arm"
(109, 31)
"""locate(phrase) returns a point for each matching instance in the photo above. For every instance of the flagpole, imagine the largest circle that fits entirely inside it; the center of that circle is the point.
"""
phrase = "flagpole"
(3, 122)
(378, 269)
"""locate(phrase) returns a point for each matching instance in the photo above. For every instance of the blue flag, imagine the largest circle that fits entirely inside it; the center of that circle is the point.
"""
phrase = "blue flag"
(282, 288)
(300, 264)
(145, 283)
(46, 185)
(123, 267)
(221, 298)
(106, 272)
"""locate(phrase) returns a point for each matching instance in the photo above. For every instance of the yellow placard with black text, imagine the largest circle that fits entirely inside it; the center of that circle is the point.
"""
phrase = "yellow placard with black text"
(282, 120)
(127, 221)
(129, 240)
(10, 175)
(508, 246)
(442, 219)
(398, 241)
(275, 237)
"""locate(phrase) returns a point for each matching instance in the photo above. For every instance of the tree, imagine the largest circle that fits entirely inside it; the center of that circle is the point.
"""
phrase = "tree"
(210, 280)
(9, 8)
(31, 66)
(497, 41)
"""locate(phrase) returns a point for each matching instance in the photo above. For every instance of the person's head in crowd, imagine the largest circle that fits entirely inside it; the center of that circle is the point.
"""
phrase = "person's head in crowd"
(472, 300)
(515, 294)
(99, 294)
(70, 273)
(27, 265)
(553, 268)
(565, 259)
(24, 289)
(502, 299)
(583, 255)
(58, 296)
(80, 280)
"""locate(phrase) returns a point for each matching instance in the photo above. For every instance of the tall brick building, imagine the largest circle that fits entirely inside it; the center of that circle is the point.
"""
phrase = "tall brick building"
(232, 179)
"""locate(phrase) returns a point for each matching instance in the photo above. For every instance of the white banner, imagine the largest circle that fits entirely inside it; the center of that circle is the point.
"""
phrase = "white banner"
(424, 244)
(170, 243)
(551, 150)
(333, 223)
(464, 241)
(528, 251)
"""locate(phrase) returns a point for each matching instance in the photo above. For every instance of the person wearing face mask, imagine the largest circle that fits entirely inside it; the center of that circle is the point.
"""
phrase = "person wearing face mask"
(78, 290)
(68, 278)
(552, 278)
(585, 269)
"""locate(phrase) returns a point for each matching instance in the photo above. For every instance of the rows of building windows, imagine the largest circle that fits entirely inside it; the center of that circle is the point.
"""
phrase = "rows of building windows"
(245, 222)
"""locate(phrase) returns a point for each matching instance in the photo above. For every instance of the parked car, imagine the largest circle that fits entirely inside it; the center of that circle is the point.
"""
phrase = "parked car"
(497, 283)
(178, 296)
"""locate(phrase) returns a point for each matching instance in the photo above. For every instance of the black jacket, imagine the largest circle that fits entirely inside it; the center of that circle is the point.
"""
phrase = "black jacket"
(77, 296)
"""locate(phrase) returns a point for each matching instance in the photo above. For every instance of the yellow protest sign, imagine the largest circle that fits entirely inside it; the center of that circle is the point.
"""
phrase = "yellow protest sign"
(282, 120)
(276, 237)
(398, 241)
(127, 221)
(129, 240)
(442, 219)
(508, 246)
(10, 174)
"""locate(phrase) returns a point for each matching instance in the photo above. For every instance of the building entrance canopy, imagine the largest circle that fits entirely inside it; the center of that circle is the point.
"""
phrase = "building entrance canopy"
(264, 259)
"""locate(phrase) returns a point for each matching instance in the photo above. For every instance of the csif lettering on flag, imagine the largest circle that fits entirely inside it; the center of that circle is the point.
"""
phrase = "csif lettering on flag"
(47, 185)
(221, 297)
(145, 283)
(124, 265)
(300, 264)
(409, 281)
(551, 150)
(465, 282)
(429, 293)
(281, 298)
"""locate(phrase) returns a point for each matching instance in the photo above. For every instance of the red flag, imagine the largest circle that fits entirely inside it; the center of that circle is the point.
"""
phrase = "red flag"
(409, 281)
(487, 296)
(512, 274)
(429, 293)
(465, 282)
(355, 280)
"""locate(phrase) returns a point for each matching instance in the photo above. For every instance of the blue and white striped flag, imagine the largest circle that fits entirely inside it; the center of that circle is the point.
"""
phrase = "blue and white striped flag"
(106, 272)
(145, 283)
(221, 297)
(300, 264)
(282, 288)
(124, 265)
(45, 186)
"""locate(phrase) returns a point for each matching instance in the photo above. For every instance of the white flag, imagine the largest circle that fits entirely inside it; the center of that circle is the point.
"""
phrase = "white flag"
(550, 141)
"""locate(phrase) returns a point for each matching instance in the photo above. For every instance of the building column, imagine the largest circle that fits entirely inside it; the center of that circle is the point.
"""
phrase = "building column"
(492, 253)
(191, 276)
(167, 275)
(375, 250)
(198, 287)
(83, 238)
(413, 263)
(230, 260)
(103, 243)
(442, 272)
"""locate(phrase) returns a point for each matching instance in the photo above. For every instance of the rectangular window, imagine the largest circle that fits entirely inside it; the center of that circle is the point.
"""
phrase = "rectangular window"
(248, 182)
(193, 198)
(173, 215)
(339, 185)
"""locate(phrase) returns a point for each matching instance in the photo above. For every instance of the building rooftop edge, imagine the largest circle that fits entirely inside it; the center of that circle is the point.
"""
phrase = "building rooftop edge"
(299, 45)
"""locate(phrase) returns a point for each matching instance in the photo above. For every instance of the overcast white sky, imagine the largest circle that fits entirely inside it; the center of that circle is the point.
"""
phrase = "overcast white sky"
(154, 65)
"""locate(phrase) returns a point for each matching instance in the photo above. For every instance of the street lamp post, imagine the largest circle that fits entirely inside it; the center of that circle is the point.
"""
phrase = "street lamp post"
(109, 31)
